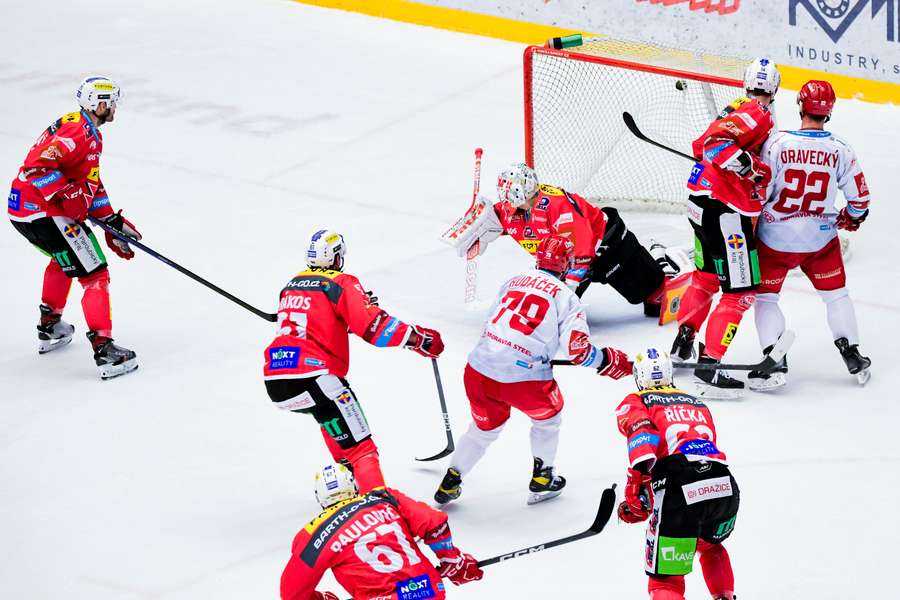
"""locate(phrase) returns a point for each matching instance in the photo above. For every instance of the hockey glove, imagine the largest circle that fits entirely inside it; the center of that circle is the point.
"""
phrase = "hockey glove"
(459, 568)
(615, 364)
(846, 221)
(638, 502)
(425, 341)
(480, 224)
(750, 167)
(324, 596)
(74, 203)
(120, 223)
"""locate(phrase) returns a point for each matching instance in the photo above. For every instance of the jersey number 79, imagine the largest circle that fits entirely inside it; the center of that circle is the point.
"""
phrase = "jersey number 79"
(529, 311)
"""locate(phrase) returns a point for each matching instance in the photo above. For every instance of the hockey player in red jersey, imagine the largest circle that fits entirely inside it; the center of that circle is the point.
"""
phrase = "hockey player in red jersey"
(678, 479)
(369, 543)
(535, 313)
(605, 250)
(799, 223)
(725, 195)
(307, 362)
(57, 188)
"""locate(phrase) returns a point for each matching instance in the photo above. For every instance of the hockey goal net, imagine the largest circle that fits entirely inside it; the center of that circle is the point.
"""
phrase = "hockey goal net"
(574, 99)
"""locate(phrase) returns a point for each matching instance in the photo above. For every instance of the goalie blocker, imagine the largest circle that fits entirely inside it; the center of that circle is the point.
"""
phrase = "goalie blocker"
(605, 250)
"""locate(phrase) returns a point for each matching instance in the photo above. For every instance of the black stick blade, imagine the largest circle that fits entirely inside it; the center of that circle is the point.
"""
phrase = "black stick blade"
(445, 452)
(605, 510)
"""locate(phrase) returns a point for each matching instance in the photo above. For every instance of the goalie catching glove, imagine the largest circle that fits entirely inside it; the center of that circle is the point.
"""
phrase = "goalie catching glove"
(122, 225)
(479, 224)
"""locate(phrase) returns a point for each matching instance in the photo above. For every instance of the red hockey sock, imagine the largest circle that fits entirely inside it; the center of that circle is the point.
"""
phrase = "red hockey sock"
(95, 303)
(716, 569)
(696, 301)
(56, 287)
(666, 587)
(366, 467)
(724, 321)
(336, 452)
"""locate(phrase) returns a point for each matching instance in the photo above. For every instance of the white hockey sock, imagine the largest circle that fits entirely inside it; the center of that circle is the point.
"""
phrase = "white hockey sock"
(545, 438)
(841, 315)
(471, 447)
(769, 319)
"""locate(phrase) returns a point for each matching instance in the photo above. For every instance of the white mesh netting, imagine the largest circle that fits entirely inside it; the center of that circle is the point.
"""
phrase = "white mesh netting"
(578, 140)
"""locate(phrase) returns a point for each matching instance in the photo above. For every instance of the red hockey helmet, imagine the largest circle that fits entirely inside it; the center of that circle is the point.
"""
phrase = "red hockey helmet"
(816, 98)
(554, 254)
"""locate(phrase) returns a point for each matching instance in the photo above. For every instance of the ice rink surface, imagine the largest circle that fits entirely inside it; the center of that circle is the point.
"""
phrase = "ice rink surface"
(243, 128)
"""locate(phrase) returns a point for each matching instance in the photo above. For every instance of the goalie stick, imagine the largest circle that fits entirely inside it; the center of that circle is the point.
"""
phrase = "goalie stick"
(450, 445)
(633, 128)
(604, 512)
(133, 242)
(473, 252)
(766, 365)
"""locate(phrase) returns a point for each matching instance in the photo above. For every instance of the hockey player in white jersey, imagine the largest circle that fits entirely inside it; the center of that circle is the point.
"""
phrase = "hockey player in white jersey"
(798, 227)
(535, 313)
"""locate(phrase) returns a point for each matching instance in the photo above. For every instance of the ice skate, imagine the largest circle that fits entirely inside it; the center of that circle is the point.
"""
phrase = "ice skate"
(766, 382)
(717, 384)
(53, 332)
(450, 487)
(857, 364)
(112, 360)
(683, 346)
(544, 484)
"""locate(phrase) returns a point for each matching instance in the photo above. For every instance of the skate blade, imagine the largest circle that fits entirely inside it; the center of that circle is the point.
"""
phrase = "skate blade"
(863, 376)
(45, 346)
(537, 497)
(113, 371)
(775, 381)
(711, 392)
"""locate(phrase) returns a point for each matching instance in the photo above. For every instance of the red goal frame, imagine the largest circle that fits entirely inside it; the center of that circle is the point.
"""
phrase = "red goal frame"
(528, 58)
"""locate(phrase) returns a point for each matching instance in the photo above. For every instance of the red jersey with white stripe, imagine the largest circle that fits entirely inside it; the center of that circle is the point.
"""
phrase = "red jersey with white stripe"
(66, 152)
(558, 212)
(369, 544)
(534, 314)
(808, 168)
(316, 310)
(662, 421)
(743, 125)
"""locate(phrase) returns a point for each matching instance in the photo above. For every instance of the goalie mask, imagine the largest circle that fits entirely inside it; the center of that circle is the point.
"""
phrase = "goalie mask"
(517, 184)
(324, 247)
(334, 483)
(652, 368)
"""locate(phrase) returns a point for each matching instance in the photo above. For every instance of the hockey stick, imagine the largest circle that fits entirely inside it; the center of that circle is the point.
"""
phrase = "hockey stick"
(633, 128)
(450, 445)
(473, 251)
(604, 512)
(766, 365)
(133, 242)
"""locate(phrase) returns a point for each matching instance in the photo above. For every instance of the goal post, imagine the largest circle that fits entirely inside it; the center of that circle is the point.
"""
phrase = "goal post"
(575, 95)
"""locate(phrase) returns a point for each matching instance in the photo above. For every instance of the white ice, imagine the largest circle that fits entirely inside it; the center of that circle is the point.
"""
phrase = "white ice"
(245, 126)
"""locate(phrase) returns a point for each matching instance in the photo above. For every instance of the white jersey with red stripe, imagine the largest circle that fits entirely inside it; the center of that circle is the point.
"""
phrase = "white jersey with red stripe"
(534, 314)
(808, 168)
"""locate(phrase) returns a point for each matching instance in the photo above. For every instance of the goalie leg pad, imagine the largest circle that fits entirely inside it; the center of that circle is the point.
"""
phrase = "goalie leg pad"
(624, 264)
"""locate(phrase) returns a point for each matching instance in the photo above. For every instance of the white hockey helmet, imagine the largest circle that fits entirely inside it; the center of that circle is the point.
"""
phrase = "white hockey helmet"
(652, 368)
(334, 483)
(324, 247)
(517, 184)
(96, 89)
(762, 75)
